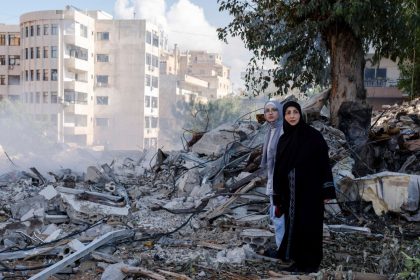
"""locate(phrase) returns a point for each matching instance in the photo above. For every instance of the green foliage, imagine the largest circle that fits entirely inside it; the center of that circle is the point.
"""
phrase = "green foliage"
(411, 264)
(410, 69)
(298, 36)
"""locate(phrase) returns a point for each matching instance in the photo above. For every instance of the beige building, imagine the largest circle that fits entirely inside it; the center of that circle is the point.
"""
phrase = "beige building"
(381, 81)
(94, 78)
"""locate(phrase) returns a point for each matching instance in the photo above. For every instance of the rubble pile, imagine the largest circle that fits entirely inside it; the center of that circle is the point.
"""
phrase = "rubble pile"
(395, 135)
(199, 214)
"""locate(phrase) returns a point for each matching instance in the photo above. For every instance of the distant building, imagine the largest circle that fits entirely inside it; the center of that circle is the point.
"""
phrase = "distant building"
(94, 78)
(196, 76)
(381, 81)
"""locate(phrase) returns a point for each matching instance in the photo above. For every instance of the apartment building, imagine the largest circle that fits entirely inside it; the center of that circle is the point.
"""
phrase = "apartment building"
(381, 81)
(95, 79)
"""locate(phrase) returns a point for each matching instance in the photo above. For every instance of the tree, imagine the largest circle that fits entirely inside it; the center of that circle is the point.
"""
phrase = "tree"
(410, 68)
(323, 42)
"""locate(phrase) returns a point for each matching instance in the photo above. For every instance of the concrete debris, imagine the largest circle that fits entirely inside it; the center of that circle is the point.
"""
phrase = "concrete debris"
(201, 213)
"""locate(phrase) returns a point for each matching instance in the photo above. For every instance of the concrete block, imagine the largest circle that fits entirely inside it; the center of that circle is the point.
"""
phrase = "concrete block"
(48, 192)
(257, 238)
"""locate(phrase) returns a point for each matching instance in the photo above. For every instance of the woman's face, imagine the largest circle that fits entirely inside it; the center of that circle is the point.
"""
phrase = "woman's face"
(292, 115)
(271, 113)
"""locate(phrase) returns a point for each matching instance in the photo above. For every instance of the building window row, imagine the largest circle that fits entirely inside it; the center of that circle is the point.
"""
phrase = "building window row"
(102, 100)
(35, 52)
(102, 36)
(77, 52)
(102, 80)
(12, 80)
(100, 57)
(152, 39)
(41, 74)
(40, 30)
(12, 60)
(150, 101)
(152, 81)
(150, 122)
(9, 39)
(75, 97)
(150, 143)
(152, 60)
(38, 97)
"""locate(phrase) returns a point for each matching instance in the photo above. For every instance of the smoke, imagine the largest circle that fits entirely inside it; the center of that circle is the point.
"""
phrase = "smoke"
(26, 143)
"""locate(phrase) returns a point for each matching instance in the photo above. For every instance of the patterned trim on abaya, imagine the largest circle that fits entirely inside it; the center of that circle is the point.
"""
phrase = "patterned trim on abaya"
(292, 205)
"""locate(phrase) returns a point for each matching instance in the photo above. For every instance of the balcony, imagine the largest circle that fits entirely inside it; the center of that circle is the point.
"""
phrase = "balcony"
(381, 83)
(70, 129)
(76, 64)
(76, 86)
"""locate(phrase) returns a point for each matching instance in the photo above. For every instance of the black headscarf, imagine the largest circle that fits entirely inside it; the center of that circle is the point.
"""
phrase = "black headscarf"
(290, 142)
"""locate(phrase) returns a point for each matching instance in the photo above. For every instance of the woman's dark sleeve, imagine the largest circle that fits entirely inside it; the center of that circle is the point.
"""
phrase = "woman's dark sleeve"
(328, 189)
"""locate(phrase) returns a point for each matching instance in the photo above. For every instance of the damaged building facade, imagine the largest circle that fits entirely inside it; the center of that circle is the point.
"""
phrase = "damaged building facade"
(95, 79)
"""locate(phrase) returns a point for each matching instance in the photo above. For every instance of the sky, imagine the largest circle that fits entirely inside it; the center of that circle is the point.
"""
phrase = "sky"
(191, 24)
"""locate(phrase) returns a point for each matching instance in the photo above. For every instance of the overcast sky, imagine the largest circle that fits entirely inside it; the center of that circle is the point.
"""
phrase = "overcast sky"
(189, 23)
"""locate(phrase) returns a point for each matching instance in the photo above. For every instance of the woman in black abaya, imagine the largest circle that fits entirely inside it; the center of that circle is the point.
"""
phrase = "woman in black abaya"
(302, 182)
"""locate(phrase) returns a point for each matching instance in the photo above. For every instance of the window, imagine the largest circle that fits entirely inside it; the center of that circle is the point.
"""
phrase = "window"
(32, 30)
(14, 40)
(2, 60)
(45, 29)
(155, 61)
(148, 59)
(2, 80)
(45, 76)
(14, 80)
(38, 30)
(154, 123)
(101, 80)
(38, 75)
(154, 102)
(54, 98)
(155, 40)
(148, 80)
(149, 37)
(102, 58)
(77, 52)
(31, 53)
(14, 98)
(26, 53)
(32, 75)
(69, 96)
(83, 31)
(45, 51)
(45, 97)
(375, 77)
(102, 36)
(155, 82)
(53, 52)
(146, 122)
(54, 29)
(102, 122)
(26, 75)
(26, 31)
(147, 101)
(54, 75)
(37, 52)
(102, 100)
(14, 59)
(37, 97)
(2, 39)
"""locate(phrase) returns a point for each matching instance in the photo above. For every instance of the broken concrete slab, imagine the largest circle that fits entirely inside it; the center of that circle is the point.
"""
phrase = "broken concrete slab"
(48, 192)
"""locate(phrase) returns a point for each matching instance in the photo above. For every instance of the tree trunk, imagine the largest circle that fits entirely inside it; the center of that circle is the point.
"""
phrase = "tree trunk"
(347, 64)
(348, 108)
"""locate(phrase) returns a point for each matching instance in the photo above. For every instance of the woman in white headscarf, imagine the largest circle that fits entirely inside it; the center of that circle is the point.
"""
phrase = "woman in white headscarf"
(274, 117)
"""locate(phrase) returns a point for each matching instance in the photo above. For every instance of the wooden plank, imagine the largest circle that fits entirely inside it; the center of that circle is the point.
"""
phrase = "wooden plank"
(57, 267)
(142, 271)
